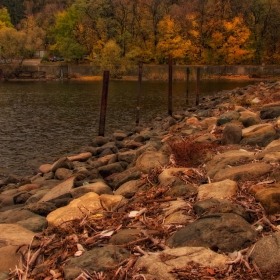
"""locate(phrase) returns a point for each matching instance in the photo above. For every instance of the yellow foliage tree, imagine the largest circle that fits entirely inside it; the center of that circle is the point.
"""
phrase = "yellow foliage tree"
(237, 36)
(170, 41)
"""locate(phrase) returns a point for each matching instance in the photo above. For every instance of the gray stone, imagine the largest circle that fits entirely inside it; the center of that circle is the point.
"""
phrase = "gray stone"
(110, 169)
(61, 190)
(128, 156)
(16, 215)
(261, 140)
(228, 117)
(232, 134)
(212, 206)
(266, 253)
(35, 224)
(121, 178)
(270, 112)
(150, 160)
(40, 208)
(227, 232)
(37, 196)
(128, 189)
(97, 259)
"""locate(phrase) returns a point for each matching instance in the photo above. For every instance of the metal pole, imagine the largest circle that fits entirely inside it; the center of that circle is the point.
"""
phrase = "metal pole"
(197, 85)
(187, 91)
(170, 86)
(103, 107)
(139, 92)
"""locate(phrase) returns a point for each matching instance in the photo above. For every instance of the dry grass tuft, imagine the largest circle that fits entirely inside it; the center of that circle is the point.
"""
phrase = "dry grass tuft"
(188, 153)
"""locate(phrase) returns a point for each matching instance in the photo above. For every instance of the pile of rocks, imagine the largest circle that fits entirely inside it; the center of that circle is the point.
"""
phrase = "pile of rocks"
(222, 211)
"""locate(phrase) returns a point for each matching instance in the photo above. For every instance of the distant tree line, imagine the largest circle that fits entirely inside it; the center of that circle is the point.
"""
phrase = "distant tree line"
(123, 32)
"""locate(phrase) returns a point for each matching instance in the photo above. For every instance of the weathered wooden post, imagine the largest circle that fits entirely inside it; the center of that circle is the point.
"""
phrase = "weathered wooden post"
(170, 86)
(187, 90)
(1, 74)
(103, 107)
(139, 92)
(197, 85)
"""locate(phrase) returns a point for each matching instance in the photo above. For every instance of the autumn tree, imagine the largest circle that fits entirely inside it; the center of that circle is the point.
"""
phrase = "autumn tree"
(170, 41)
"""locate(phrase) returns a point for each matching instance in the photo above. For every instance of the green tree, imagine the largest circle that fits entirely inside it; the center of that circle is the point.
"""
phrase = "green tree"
(5, 19)
(112, 60)
(65, 34)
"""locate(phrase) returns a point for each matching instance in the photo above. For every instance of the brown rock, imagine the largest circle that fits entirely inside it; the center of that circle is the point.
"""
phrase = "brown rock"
(81, 157)
(45, 168)
(270, 199)
(28, 187)
(218, 190)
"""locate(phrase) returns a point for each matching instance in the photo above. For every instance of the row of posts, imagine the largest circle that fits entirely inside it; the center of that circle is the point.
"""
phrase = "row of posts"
(104, 96)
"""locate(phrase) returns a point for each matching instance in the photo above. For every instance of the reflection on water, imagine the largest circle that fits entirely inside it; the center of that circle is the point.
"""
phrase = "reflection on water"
(41, 121)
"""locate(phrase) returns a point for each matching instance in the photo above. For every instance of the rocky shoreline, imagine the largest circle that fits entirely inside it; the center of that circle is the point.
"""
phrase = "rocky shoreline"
(193, 196)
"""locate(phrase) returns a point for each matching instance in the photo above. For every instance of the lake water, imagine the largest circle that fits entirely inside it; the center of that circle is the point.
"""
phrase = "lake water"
(42, 121)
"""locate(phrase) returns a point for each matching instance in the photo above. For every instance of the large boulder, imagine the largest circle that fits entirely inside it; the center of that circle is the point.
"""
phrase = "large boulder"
(227, 232)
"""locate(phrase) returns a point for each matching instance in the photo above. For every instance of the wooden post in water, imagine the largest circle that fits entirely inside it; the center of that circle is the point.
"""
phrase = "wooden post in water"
(139, 92)
(187, 90)
(197, 85)
(103, 107)
(170, 86)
